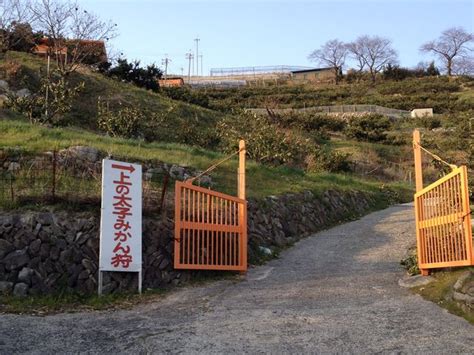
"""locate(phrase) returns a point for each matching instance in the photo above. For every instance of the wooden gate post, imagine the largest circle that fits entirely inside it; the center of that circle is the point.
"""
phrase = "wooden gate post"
(211, 227)
(241, 194)
(418, 161)
(419, 185)
(241, 171)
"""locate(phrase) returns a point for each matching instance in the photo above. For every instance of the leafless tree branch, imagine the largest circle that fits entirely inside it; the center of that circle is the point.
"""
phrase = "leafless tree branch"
(332, 54)
(373, 53)
(453, 44)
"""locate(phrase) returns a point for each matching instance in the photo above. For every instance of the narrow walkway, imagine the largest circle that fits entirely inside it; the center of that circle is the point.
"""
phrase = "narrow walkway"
(334, 292)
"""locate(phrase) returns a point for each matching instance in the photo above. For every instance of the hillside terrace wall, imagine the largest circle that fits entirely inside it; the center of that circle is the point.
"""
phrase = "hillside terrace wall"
(47, 252)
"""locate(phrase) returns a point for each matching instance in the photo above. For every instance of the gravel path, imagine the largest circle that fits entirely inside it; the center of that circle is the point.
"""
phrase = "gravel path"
(334, 292)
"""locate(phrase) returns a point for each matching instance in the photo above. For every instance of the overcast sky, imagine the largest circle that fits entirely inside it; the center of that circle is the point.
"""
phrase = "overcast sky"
(264, 32)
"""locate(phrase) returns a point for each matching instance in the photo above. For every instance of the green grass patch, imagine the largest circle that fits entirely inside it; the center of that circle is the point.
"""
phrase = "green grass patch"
(262, 180)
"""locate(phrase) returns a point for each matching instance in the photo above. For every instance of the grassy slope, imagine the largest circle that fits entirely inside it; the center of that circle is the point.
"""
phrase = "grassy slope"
(441, 93)
(262, 180)
(451, 98)
(96, 85)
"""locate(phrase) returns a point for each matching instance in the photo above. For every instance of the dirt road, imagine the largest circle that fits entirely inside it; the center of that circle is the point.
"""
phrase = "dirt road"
(334, 292)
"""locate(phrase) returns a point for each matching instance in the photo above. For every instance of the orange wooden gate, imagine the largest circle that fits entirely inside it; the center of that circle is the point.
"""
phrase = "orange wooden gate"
(211, 227)
(443, 222)
(210, 230)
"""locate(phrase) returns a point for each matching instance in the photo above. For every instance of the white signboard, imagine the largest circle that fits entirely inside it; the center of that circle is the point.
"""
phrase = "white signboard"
(121, 218)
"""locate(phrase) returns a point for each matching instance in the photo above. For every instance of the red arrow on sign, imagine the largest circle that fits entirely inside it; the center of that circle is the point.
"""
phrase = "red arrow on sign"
(129, 168)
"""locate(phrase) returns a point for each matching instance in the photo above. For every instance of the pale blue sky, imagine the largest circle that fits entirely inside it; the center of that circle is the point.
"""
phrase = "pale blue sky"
(265, 32)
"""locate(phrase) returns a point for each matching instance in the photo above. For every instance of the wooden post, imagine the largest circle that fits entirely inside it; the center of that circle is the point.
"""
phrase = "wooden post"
(54, 168)
(418, 166)
(419, 184)
(242, 208)
(241, 171)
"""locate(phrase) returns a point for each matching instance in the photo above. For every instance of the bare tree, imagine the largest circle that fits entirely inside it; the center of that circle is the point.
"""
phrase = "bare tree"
(332, 54)
(373, 52)
(356, 51)
(13, 14)
(464, 65)
(73, 33)
(452, 44)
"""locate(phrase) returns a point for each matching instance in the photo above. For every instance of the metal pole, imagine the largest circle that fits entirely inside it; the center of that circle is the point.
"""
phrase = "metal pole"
(99, 290)
(197, 55)
(140, 282)
(189, 57)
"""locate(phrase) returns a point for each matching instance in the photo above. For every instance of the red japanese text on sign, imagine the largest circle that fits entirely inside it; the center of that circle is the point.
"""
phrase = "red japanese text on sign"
(120, 248)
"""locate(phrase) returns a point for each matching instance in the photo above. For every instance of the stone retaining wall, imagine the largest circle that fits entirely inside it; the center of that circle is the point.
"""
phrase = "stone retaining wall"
(463, 292)
(46, 252)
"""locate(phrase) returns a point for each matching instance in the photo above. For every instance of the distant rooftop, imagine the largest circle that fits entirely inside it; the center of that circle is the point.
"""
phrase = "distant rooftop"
(310, 70)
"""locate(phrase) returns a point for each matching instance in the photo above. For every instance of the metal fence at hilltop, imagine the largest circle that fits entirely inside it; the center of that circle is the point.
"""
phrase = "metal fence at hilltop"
(53, 178)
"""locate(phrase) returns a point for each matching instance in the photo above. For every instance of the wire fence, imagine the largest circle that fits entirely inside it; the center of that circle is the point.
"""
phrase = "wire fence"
(52, 178)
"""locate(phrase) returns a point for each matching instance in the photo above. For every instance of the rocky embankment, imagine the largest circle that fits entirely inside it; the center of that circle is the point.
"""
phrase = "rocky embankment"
(42, 252)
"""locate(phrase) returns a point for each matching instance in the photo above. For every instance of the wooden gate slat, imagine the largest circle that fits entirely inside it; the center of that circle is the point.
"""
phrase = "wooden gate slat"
(210, 230)
(443, 223)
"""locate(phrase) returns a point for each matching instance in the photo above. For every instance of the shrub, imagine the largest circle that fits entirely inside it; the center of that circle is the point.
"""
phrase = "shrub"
(428, 122)
(32, 107)
(410, 263)
(265, 143)
(125, 122)
(395, 72)
(39, 110)
(185, 127)
(132, 72)
(268, 143)
(325, 160)
(185, 94)
(368, 128)
(397, 138)
(310, 121)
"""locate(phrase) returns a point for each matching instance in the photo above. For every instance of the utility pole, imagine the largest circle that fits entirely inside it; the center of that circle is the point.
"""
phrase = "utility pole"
(197, 54)
(189, 57)
(200, 57)
(165, 62)
(182, 71)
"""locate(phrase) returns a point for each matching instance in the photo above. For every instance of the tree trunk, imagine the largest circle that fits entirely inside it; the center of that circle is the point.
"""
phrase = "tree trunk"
(373, 75)
(449, 66)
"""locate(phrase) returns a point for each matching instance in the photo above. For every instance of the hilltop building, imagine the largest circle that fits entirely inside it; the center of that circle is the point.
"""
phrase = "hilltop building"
(171, 81)
(92, 52)
(315, 75)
